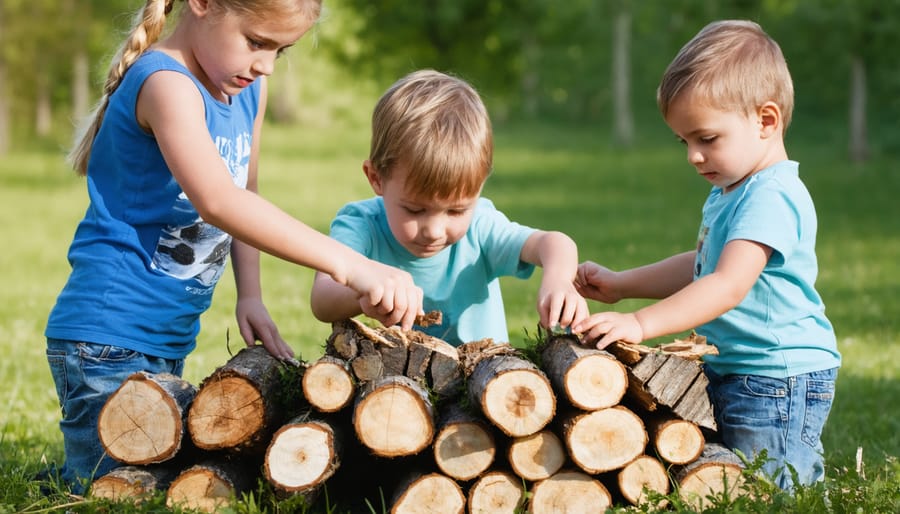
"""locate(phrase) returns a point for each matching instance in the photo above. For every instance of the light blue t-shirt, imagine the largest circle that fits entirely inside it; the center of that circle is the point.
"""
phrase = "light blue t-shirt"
(144, 264)
(779, 329)
(462, 281)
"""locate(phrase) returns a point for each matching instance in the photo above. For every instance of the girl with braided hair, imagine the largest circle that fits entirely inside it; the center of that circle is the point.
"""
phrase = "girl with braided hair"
(170, 159)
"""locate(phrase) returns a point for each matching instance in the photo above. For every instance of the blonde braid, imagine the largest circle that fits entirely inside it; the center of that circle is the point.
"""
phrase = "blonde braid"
(148, 25)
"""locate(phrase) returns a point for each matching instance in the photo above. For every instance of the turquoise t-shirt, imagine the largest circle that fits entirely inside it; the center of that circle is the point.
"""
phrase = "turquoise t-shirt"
(462, 281)
(779, 329)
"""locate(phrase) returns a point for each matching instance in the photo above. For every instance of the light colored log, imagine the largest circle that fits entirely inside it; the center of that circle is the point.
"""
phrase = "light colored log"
(393, 417)
(605, 439)
(717, 471)
(588, 378)
(328, 384)
(303, 454)
(571, 492)
(513, 394)
(496, 492)
(464, 447)
(676, 441)
(429, 493)
(536, 456)
(643, 474)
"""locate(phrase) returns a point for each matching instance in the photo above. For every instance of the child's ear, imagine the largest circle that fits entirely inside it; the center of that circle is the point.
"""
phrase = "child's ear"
(372, 176)
(769, 115)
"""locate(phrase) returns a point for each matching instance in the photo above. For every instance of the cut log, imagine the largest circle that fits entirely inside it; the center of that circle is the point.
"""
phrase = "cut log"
(133, 483)
(572, 492)
(605, 439)
(242, 403)
(143, 421)
(464, 446)
(513, 393)
(393, 417)
(536, 456)
(211, 485)
(676, 441)
(303, 454)
(496, 492)
(643, 474)
(429, 493)
(717, 471)
(588, 378)
(328, 384)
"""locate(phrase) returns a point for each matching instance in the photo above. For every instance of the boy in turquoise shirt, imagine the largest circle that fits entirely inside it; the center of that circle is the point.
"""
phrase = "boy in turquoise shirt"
(431, 152)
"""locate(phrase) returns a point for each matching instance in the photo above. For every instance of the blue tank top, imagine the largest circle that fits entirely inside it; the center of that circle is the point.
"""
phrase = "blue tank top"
(144, 264)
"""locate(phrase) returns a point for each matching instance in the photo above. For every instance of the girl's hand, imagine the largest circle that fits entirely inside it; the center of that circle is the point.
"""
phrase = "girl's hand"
(605, 328)
(597, 282)
(255, 324)
(387, 294)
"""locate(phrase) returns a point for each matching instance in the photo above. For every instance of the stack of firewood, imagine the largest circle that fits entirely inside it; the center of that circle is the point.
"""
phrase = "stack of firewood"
(406, 422)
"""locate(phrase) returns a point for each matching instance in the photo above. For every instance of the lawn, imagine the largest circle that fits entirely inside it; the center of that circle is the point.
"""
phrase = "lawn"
(623, 208)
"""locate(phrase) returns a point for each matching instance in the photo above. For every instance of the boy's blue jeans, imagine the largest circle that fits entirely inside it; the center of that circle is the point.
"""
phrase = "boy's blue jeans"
(86, 374)
(784, 416)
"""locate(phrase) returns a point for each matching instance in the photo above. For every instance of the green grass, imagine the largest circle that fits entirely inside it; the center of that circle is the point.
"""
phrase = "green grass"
(623, 208)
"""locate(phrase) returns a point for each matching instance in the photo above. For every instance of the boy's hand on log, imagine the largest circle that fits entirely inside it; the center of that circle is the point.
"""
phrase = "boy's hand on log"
(255, 324)
(387, 294)
(560, 304)
(605, 328)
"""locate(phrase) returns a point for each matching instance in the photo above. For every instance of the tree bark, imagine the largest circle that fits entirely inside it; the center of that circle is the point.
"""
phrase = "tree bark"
(859, 137)
(621, 77)
(144, 420)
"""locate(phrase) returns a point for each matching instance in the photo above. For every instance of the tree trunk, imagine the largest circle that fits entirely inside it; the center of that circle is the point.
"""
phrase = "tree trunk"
(144, 420)
(537, 456)
(588, 378)
(497, 492)
(513, 394)
(572, 491)
(303, 454)
(464, 447)
(621, 77)
(718, 470)
(81, 85)
(133, 483)
(644, 473)
(859, 137)
(393, 417)
(328, 384)
(427, 493)
(242, 403)
(603, 440)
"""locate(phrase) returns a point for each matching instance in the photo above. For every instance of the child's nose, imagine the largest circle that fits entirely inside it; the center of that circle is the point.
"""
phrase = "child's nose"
(695, 156)
(434, 227)
(265, 64)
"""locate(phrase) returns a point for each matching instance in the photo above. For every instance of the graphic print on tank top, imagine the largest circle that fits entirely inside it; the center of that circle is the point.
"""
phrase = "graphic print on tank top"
(190, 247)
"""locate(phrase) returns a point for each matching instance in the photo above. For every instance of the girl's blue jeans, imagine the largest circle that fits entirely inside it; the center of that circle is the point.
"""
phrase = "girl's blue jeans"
(784, 416)
(86, 374)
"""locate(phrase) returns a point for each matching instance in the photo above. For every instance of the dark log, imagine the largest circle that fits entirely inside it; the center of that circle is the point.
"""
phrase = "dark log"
(143, 421)
(134, 483)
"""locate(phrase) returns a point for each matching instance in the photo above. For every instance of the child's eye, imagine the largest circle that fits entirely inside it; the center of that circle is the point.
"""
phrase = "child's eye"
(457, 212)
(708, 139)
(254, 43)
(414, 210)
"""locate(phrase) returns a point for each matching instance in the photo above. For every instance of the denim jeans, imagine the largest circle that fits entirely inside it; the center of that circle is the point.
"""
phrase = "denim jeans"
(784, 416)
(86, 374)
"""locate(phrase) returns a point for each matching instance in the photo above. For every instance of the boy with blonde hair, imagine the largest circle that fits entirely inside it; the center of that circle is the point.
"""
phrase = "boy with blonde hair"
(749, 285)
(431, 152)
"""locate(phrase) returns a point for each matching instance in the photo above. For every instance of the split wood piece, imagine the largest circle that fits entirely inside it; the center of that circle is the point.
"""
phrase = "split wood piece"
(143, 421)
(473, 352)
(513, 393)
(435, 362)
(496, 492)
(243, 402)
(429, 318)
(210, 486)
(368, 364)
(134, 483)
(588, 378)
(569, 491)
(303, 454)
(693, 347)
(393, 417)
(464, 446)
(393, 358)
(676, 441)
(537, 456)
(717, 471)
(346, 336)
(605, 439)
(426, 493)
(643, 474)
(328, 385)
(674, 382)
